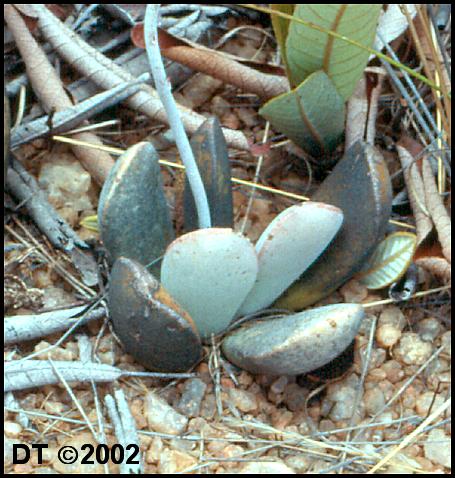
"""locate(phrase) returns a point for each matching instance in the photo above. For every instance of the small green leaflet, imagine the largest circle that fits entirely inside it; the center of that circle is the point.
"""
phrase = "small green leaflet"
(90, 223)
(389, 261)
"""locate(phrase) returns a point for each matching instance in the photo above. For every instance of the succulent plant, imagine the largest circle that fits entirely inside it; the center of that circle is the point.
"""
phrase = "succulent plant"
(211, 276)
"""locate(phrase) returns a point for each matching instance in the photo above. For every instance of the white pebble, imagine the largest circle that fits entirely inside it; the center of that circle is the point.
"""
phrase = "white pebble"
(387, 335)
(437, 448)
(412, 350)
(161, 417)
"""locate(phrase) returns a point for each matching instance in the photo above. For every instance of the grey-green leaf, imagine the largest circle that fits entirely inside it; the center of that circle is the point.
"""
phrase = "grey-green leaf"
(309, 50)
(211, 155)
(133, 213)
(312, 115)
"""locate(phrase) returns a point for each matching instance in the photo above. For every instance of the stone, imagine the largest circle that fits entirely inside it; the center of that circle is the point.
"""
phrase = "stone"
(412, 350)
(173, 461)
(387, 335)
(266, 468)
(294, 344)
(287, 247)
(210, 272)
(191, 399)
(211, 155)
(437, 448)
(243, 400)
(161, 417)
(152, 327)
(360, 186)
(132, 212)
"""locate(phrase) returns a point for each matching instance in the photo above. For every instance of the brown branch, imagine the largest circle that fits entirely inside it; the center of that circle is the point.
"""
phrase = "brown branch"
(105, 73)
(437, 210)
(416, 193)
(48, 87)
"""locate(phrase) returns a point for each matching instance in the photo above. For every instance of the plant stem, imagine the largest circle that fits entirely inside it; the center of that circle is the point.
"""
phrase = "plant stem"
(163, 88)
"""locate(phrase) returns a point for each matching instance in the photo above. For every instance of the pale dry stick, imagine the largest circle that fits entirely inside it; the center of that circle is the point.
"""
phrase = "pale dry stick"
(163, 87)
(255, 179)
(68, 118)
(102, 124)
(422, 293)
(22, 374)
(417, 95)
(423, 59)
(68, 332)
(242, 182)
(18, 328)
(124, 428)
(214, 369)
(48, 87)
(409, 438)
(105, 73)
(20, 108)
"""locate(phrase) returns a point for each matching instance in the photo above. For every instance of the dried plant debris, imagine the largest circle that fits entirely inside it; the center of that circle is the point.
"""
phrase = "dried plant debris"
(360, 186)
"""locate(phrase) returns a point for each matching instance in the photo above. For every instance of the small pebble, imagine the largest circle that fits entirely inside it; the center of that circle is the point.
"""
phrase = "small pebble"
(412, 350)
(427, 400)
(374, 400)
(266, 468)
(173, 461)
(437, 448)
(429, 329)
(243, 400)
(161, 417)
(392, 315)
(192, 395)
(387, 335)
(12, 429)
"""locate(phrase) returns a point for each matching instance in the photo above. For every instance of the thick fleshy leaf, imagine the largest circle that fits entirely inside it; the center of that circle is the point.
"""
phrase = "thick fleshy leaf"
(211, 154)
(133, 213)
(209, 272)
(312, 115)
(287, 247)
(153, 328)
(389, 261)
(360, 186)
(309, 50)
(294, 344)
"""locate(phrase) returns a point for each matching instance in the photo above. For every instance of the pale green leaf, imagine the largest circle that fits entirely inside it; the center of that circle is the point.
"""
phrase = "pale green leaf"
(281, 26)
(389, 261)
(309, 50)
(312, 115)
